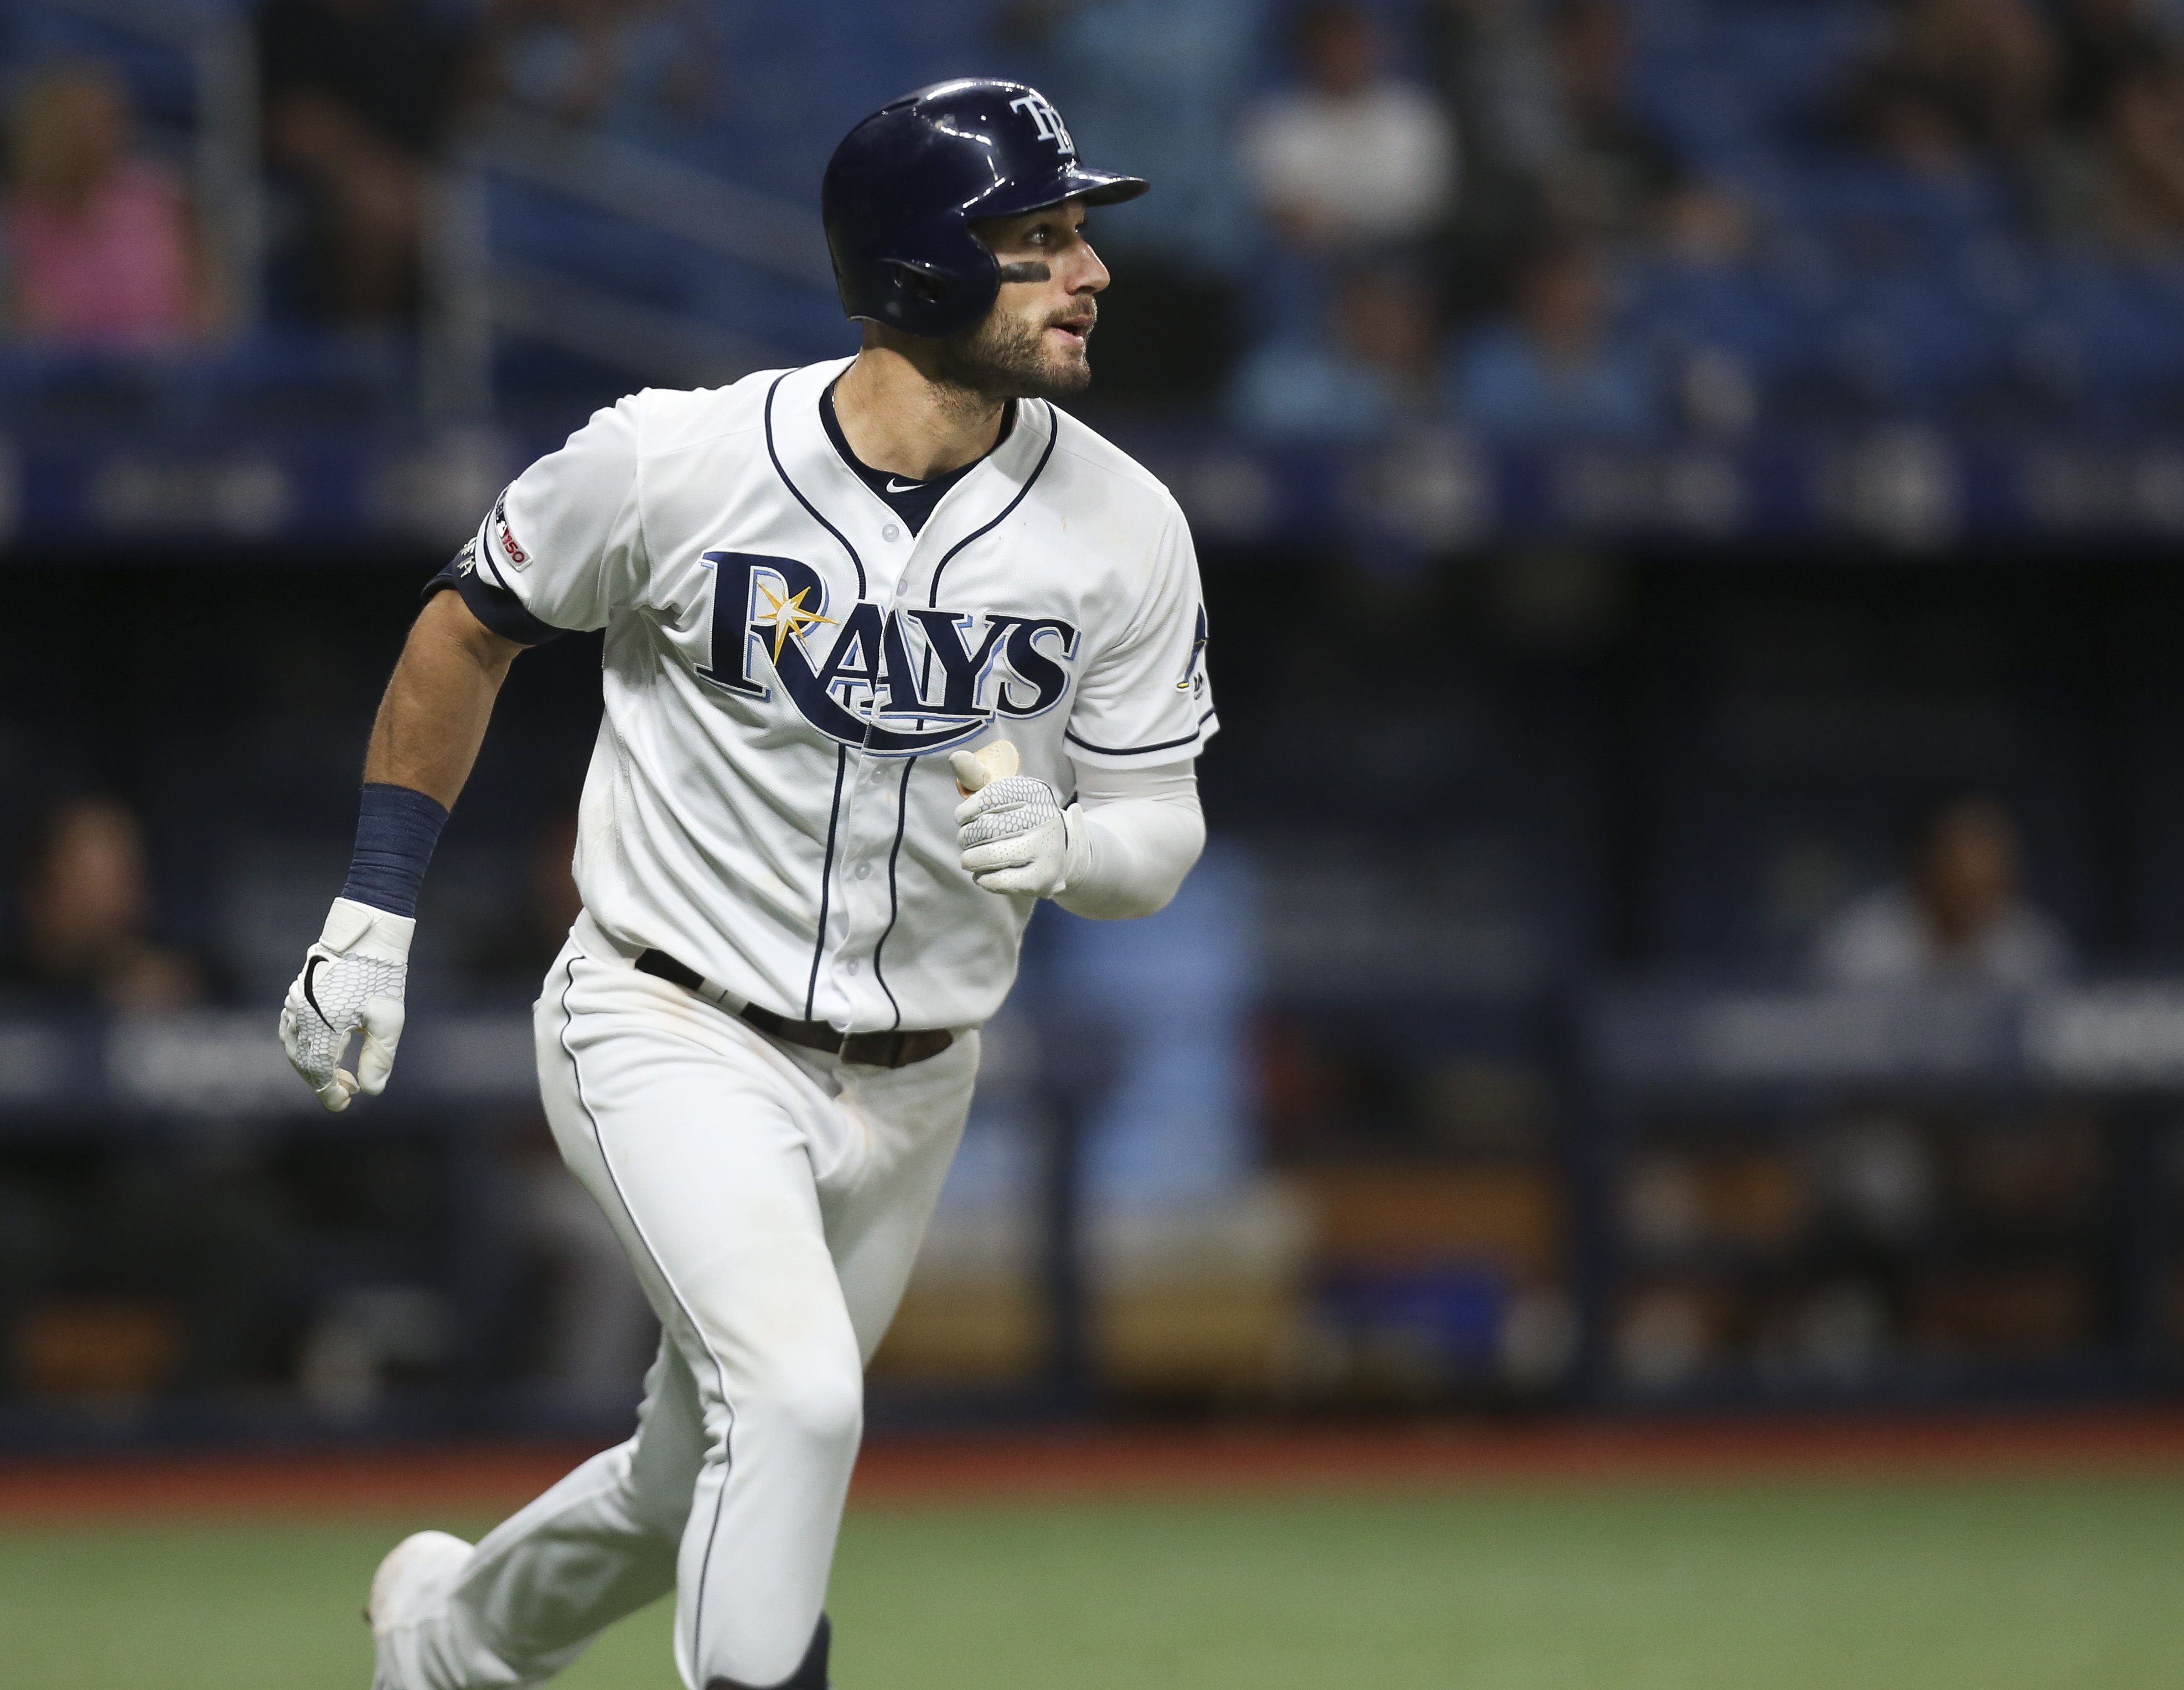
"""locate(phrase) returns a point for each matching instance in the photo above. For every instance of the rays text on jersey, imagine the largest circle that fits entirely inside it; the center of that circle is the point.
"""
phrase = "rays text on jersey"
(906, 680)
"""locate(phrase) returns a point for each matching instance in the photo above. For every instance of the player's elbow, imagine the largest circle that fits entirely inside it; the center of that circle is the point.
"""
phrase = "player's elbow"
(1122, 902)
(1109, 906)
(446, 620)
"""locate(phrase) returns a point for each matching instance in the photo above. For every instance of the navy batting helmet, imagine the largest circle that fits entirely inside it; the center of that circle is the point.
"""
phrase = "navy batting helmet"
(903, 186)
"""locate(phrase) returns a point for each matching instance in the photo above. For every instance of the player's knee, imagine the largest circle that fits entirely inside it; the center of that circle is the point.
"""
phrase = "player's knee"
(824, 1410)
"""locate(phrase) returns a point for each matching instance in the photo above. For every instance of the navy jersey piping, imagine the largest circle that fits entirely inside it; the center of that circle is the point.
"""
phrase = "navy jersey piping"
(1053, 434)
(933, 598)
(826, 879)
(841, 751)
(895, 899)
(855, 562)
(719, 1373)
(1139, 750)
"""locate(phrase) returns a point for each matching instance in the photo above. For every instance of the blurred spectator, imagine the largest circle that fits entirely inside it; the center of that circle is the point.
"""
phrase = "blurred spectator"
(1982, 73)
(1353, 157)
(1376, 370)
(1172, 995)
(2142, 138)
(1556, 144)
(1552, 370)
(513, 957)
(1155, 86)
(1960, 916)
(1494, 58)
(2104, 41)
(102, 247)
(635, 67)
(87, 902)
(1611, 172)
(2123, 183)
(1910, 122)
(360, 95)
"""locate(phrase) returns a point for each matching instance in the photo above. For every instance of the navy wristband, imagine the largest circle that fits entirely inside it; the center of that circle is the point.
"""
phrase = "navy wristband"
(396, 830)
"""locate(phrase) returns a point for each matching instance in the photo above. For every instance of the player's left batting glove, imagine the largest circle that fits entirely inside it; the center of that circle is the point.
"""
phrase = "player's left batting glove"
(352, 978)
(1018, 839)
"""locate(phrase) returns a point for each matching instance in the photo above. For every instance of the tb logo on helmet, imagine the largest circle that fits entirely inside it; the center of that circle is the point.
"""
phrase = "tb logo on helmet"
(1048, 121)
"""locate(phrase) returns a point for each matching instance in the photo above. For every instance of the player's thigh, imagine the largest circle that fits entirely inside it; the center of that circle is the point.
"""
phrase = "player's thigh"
(698, 1149)
(910, 1121)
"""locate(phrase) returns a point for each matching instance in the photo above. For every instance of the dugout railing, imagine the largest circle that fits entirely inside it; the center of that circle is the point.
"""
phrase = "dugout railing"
(173, 1199)
(1883, 1196)
(156, 1250)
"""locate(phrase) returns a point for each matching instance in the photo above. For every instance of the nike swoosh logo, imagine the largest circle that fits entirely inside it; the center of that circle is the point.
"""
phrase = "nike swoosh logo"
(311, 967)
(896, 487)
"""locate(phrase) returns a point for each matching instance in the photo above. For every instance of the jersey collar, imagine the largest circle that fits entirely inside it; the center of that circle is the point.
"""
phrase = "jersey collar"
(857, 518)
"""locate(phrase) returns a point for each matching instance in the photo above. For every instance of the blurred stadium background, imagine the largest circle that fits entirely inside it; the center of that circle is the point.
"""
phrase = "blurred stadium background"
(1689, 494)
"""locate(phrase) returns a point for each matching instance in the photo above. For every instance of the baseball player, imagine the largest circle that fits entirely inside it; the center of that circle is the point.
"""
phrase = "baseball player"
(895, 648)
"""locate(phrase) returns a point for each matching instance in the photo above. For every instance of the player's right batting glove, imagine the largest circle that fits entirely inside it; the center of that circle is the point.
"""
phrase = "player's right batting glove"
(353, 978)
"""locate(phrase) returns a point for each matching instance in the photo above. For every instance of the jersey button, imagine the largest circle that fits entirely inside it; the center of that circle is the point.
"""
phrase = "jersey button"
(864, 871)
(890, 532)
(849, 968)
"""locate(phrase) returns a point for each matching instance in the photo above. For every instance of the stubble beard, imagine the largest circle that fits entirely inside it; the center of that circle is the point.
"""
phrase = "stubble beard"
(1006, 358)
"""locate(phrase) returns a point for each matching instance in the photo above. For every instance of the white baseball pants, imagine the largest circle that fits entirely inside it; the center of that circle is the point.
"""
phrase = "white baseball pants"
(772, 1201)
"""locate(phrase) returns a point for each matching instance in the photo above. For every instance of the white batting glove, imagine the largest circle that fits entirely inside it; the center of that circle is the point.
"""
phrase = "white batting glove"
(1016, 837)
(353, 977)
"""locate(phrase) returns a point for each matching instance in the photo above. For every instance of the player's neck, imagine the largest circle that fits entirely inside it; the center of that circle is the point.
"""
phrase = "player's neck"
(897, 418)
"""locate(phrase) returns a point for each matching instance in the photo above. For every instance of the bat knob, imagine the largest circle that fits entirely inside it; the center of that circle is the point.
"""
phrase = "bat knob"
(975, 770)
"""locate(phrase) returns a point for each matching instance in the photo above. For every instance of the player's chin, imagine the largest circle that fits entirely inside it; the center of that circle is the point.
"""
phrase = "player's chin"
(1067, 365)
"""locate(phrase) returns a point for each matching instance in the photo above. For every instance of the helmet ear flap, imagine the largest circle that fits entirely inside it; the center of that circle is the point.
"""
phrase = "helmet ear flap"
(945, 296)
(921, 280)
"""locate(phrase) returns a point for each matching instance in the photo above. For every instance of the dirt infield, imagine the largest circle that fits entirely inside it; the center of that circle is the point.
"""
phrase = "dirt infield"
(927, 1470)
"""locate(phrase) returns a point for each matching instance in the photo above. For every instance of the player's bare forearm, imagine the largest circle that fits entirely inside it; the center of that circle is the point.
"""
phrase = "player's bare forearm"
(433, 716)
(431, 724)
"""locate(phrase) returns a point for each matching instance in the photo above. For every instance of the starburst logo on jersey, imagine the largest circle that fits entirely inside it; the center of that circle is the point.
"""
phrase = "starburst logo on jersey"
(1047, 120)
(915, 679)
(788, 616)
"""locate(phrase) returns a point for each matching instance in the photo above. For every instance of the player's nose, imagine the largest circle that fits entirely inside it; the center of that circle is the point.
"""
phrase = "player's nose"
(1087, 275)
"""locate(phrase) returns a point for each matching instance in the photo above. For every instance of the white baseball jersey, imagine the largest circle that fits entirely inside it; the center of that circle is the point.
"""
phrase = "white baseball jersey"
(784, 659)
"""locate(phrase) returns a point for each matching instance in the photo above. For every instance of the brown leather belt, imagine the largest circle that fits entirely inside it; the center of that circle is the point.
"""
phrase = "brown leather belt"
(875, 1050)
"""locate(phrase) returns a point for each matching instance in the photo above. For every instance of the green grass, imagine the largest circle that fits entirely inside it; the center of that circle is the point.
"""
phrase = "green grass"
(1795, 1586)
